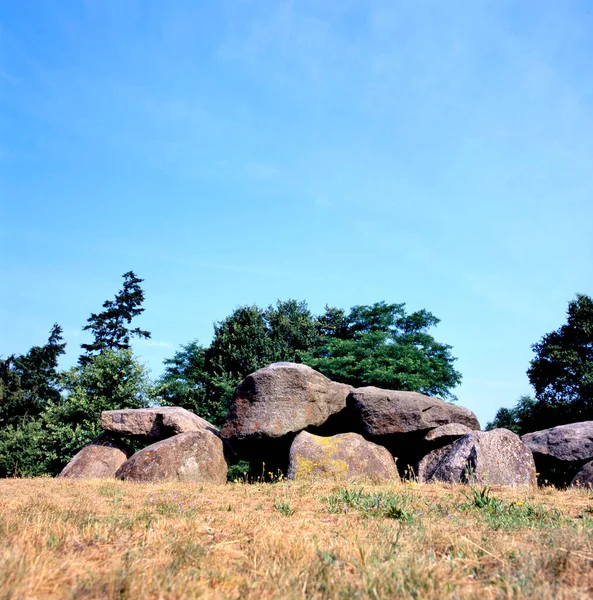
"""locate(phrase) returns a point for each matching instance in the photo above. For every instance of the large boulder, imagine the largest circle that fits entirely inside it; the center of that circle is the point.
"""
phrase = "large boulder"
(347, 456)
(98, 460)
(561, 451)
(496, 457)
(400, 421)
(192, 457)
(158, 422)
(568, 443)
(385, 412)
(272, 405)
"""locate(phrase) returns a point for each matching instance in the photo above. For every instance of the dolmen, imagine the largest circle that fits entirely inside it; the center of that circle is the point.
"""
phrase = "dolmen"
(180, 446)
(289, 419)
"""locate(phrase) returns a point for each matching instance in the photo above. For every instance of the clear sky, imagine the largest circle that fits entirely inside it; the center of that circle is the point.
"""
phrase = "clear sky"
(343, 152)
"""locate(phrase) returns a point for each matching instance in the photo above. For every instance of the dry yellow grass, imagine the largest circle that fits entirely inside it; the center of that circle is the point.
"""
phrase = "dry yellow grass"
(107, 539)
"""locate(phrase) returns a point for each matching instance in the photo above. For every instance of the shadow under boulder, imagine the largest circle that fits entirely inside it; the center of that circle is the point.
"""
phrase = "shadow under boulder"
(408, 424)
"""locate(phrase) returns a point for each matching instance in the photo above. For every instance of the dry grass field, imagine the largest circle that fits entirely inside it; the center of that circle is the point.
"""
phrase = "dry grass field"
(108, 539)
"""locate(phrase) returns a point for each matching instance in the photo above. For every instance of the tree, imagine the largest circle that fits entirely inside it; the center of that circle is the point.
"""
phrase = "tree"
(111, 380)
(185, 383)
(31, 381)
(562, 370)
(241, 344)
(110, 327)
(333, 323)
(291, 330)
(561, 374)
(203, 379)
(381, 345)
(519, 419)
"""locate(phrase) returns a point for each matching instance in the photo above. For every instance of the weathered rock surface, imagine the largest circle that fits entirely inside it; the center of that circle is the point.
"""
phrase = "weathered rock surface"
(385, 412)
(584, 476)
(158, 422)
(559, 452)
(340, 457)
(282, 398)
(193, 457)
(400, 421)
(496, 457)
(98, 460)
(567, 443)
(272, 405)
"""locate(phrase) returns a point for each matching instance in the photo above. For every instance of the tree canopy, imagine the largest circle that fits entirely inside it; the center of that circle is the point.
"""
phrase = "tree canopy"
(561, 374)
(383, 346)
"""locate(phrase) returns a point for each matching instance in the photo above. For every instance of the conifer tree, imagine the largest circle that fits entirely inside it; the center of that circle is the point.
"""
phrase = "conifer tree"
(111, 327)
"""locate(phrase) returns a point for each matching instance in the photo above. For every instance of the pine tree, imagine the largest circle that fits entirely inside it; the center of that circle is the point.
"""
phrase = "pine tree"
(30, 381)
(110, 327)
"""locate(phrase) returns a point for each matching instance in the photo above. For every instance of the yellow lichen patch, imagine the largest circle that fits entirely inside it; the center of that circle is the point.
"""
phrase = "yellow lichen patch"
(326, 468)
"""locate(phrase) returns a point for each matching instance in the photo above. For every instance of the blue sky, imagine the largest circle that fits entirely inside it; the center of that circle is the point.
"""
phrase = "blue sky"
(236, 152)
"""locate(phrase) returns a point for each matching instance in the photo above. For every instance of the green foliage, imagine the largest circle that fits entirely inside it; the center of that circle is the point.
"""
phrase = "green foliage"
(284, 508)
(381, 345)
(291, 330)
(562, 370)
(519, 419)
(372, 504)
(561, 374)
(31, 381)
(184, 382)
(111, 380)
(203, 379)
(110, 327)
(511, 515)
(22, 449)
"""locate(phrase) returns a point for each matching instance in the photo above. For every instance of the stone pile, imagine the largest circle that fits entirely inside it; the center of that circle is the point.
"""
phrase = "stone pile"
(179, 446)
(291, 419)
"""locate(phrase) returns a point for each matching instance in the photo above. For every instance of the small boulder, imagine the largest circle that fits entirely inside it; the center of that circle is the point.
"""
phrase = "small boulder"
(269, 407)
(496, 457)
(385, 412)
(341, 457)
(192, 457)
(584, 476)
(98, 460)
(157, 422)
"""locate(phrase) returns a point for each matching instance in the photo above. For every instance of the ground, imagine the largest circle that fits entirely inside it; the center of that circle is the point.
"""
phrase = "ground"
(107, 539)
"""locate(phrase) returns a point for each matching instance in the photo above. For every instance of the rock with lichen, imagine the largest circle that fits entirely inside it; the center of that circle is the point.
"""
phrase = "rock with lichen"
(342, 457)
